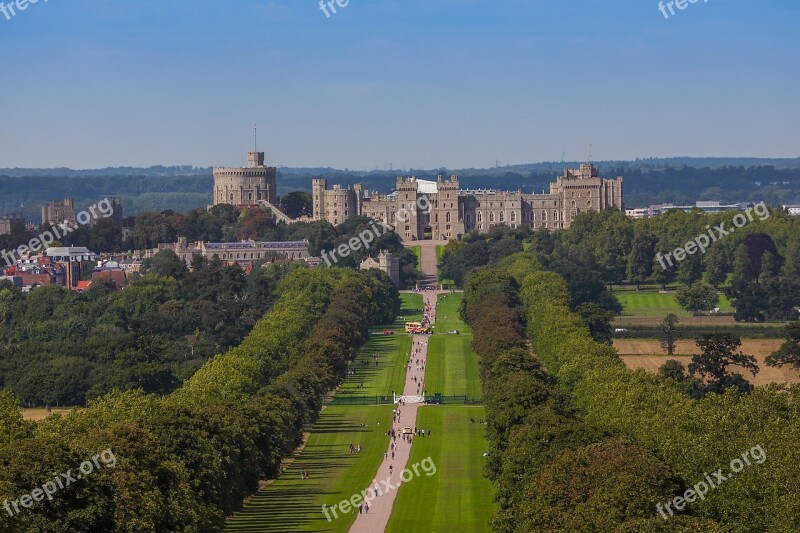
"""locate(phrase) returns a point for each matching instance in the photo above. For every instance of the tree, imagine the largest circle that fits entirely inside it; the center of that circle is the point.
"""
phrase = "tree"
(789, 352)
(698, 297)
(640, 260)
(719, 351)
(297, 204)
(598, 320)
(716, 267)
(770, 266)
(672, 369)
(165, 263)
(669, 333)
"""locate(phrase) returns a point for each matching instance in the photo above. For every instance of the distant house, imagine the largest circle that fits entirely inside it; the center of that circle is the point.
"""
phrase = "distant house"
(386, 262)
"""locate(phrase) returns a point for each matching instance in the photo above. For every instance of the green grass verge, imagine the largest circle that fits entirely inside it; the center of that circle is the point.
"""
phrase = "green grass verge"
(439, 253)
(418, 252)
(457, 497)
(295, 504)
(651, 304)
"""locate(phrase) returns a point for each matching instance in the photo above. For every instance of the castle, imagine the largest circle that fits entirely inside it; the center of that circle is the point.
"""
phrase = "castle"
(440, 210)
(246, 187)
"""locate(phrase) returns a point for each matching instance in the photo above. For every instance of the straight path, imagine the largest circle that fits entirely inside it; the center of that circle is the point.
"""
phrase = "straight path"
(428, 262)
(383, 489)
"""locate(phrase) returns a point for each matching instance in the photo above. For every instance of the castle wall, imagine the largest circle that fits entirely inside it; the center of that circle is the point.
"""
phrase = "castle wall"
(416, 211)
(246, 186)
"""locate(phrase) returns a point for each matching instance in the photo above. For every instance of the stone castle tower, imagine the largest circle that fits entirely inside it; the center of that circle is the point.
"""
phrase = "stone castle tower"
(248, 186)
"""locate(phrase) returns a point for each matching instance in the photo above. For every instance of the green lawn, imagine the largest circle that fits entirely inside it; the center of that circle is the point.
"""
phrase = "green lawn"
(390, 372)
(651, 303)
(418, 252)
(295, 504)
(447, 314)
(457, 497)
(452, 365)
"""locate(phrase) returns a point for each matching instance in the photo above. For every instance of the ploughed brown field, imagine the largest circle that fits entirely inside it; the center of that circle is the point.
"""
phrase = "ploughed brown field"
(37, 414)
(647, 354)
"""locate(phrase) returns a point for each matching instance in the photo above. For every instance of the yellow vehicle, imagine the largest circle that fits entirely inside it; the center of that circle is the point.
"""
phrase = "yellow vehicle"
(412, 326)
(407, 431)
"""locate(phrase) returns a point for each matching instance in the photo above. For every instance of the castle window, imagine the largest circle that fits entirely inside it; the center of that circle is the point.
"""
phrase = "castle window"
(502, 217)
(491, 216)
(513, 217)
(544, 217)
(447, 218)
(555, 216)
(480, 217)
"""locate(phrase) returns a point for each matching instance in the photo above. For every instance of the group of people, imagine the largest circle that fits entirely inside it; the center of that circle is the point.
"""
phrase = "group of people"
(355, 448)
(304, 474)
(479, 421)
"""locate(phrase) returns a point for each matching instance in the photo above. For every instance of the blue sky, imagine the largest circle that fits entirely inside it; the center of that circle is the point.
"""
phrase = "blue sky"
(415, 83)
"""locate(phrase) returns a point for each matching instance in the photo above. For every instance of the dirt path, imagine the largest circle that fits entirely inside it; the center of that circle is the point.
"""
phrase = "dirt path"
(384, 486)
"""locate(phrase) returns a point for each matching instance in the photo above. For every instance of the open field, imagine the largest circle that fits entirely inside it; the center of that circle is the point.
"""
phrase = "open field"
(40, 413)
(647, 354)
(447, 314)
(452, 367)
(457, 497)
(293, 504)
(652, 303)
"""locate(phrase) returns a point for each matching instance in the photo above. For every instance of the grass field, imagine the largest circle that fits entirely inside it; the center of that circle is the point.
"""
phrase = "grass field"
(447, 314)
(294, 504)
(452, 365)
(457, 497)
(651, 303)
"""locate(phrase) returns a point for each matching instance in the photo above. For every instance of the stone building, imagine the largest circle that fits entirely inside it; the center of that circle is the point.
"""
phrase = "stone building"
(7, 222)
(238, 252)
(248, 186)
(387, 262)
(441, 210)
(58, 212)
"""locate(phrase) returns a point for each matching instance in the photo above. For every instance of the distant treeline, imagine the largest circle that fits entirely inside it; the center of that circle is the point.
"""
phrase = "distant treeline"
(182, 189)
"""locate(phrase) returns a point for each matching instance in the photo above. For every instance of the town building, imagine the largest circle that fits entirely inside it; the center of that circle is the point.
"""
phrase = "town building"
(441, 210)
(78, 261)
(239, 252)
(387, 262)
